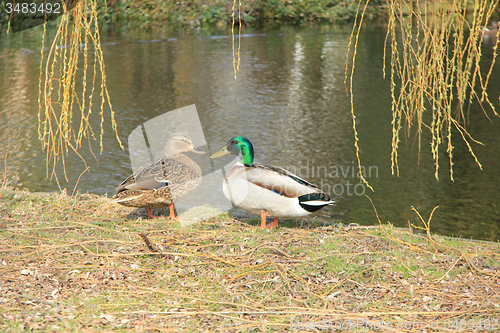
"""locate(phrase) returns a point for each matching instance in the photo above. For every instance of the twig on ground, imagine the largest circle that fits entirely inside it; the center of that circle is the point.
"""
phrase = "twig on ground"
(4, 175)
(76, 185)
(151, 246)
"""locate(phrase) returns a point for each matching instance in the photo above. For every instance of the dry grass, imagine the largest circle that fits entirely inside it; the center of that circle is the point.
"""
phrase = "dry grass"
(79, 264)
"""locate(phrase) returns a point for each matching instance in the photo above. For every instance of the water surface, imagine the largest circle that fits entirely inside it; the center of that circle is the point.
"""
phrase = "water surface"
(289, 99)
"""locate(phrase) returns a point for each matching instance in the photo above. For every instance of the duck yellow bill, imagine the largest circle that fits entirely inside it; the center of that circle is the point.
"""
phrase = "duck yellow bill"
(220, 153)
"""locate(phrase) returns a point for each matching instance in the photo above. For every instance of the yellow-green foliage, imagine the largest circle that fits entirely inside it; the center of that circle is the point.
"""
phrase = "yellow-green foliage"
(435, 66)
(59, 97)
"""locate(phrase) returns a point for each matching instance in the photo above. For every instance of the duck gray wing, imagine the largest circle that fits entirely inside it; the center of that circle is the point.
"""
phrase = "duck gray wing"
(173, 172)
(279, 180)
(151, 176)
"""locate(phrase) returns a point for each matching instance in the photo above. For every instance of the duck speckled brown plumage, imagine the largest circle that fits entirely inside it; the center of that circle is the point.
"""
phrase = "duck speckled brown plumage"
(163, 181)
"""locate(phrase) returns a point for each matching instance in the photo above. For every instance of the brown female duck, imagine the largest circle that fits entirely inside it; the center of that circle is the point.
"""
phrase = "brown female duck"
(163, 181)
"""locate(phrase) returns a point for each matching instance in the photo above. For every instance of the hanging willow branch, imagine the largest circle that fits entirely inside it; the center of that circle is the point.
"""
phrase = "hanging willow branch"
(236, 64)
(58, 96)
(355, 32)
(435, 68)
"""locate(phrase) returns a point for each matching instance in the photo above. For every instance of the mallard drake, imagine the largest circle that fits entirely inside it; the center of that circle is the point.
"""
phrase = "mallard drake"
(268, 190)
(163, 181)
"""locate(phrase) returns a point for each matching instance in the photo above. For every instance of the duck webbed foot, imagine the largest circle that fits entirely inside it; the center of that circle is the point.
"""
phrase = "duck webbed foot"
(172, 213)
(274, 224)
(263, 225)
(150, 214)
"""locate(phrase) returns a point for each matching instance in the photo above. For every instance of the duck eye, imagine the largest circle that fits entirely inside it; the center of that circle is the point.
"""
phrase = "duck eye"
(234, 142)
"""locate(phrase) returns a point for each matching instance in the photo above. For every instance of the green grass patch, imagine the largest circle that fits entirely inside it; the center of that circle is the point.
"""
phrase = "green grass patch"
(79, 264)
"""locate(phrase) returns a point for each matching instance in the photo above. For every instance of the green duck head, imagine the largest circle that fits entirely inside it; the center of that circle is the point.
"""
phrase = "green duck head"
(238, 145)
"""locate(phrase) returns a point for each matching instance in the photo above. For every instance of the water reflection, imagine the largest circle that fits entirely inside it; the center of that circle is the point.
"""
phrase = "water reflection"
(18, 97)
(289, 100)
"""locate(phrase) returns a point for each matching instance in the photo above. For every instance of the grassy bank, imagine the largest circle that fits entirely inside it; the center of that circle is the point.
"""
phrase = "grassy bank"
(79, 264)
(218, 13)
(145, 14)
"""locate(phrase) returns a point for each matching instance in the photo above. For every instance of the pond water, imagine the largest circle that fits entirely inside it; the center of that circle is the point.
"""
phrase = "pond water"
(289, 99)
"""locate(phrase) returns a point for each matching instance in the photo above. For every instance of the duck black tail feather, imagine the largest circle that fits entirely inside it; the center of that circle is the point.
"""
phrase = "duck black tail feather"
(314, 201)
